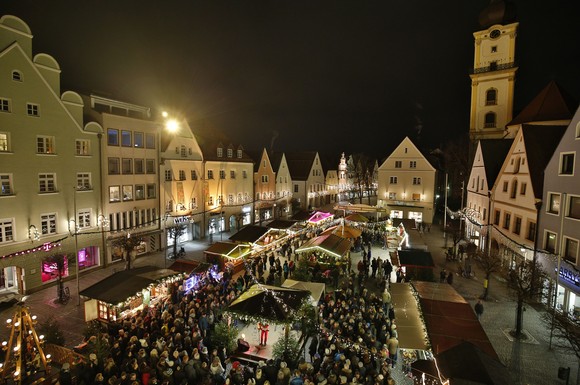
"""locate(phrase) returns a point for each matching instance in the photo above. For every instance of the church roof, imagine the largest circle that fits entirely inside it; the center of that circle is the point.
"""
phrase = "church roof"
(551, 104)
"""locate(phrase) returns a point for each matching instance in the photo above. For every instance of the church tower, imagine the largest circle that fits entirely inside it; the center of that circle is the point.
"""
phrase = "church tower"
(493, 73)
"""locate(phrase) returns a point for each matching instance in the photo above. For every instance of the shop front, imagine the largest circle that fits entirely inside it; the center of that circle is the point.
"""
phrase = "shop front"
(562, 287)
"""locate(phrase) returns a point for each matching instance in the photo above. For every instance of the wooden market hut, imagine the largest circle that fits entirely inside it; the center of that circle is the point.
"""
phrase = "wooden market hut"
(417, 264)
(228, 254)
(127, 291)
(326, 249)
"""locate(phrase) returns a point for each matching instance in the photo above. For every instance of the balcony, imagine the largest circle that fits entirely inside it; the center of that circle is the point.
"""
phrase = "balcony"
(493, 67)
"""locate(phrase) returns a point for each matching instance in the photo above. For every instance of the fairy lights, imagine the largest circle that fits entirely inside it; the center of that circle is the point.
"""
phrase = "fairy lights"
(44, 247)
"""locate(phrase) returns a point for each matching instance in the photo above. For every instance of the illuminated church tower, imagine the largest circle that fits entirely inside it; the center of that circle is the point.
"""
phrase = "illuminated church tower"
(494, 71)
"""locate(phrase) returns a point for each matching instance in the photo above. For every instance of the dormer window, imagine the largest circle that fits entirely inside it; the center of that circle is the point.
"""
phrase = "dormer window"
(17, 76)
(220, 152)
(240, 154)
(230, 153)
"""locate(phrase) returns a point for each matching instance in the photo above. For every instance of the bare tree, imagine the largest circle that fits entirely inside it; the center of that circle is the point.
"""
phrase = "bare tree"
(490, 262)
(59, 260)
(565, 333)
(128, 244)
(360, 169)
(525, 283)
(174, 233)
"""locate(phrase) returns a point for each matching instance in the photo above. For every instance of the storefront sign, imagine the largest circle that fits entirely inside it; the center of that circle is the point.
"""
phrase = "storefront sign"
(570, 275)
(182, 219)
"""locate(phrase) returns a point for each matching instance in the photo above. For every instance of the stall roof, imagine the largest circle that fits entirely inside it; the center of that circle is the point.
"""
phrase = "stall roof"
(418, 258)
(316, 289)
(281, 224)
(250, 234)
(124, 284)
(329, 243)
(450, 319)
(319, 216)
(410, 328)
(228, 249)
(190, 267)
(302, 216)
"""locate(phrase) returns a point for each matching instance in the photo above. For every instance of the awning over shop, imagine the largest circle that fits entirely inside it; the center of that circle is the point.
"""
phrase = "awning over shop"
(228, 249)
(249, 234)
(416, 258)
(124, 284)
(410, 328)
(329, 244)
(316, 289)
(450, 319)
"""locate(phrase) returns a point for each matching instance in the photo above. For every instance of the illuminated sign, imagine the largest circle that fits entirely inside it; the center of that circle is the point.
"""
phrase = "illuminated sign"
(570, 275)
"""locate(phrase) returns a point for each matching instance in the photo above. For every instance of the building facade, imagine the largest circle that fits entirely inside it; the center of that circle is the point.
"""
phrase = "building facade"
(307, 179)
(264, 188)
(283, 185)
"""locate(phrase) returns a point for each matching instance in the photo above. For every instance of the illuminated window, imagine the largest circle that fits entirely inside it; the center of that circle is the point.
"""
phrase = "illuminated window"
(114, 194)
(6, 184)
(84, 180)
(6, 229)
(45, 145)
(550, 244)
(82, 147)
(48, 223)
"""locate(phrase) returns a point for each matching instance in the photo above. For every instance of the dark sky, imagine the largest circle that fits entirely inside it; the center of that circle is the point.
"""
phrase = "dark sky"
(333, 76)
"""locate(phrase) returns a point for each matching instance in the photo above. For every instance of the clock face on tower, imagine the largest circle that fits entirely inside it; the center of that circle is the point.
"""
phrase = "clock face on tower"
(495, 34)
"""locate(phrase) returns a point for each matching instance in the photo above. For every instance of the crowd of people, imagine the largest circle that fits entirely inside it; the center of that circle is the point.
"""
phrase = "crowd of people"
(170, 343)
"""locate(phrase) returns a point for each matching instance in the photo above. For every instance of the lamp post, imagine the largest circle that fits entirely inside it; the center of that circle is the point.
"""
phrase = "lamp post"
(560, 251)
(103, 222)
(76, 245)
(538, 205)
(445, 213)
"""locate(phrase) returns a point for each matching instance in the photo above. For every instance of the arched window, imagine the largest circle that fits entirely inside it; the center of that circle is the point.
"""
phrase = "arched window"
(489, 120)
(517, 163)
(514, 189)
(491, 97)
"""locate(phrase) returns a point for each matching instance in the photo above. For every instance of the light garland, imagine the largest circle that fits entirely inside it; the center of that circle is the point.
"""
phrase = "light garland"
(44, 247)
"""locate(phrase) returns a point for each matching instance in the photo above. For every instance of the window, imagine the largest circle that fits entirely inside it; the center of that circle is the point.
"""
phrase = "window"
(574, 207)
(230, 153)
(264, 178)
(209, 174)
(138, 139)
(493, 48)
(183, 151)
(5, 230)
(232, 174)
(393, 180)
(496, 218)
(32, 109)
(220, 152)
(295, 188)
(139, 191)
(48, 223)
(413, 164)
(6, 184)
(193, 203)
(150, 141)
(222, 174)
(484, 213)
(139, 166)
(240, 154)
(84, 218)
(491, 97)
(114, 194)
(112, 137)
(16, 76)
(151, 191)
(114, 168)
(531, 231)
(505, 186)
(4, 105)
(550, 243)
(489, 120)
(4, 142)
(150, 166)
(567, 164)
(571, 250)
(127, 192)
(82, 147)
(416, 180)
(244, 174)
(398, 164)
(220, 200)
(181, 174)
(210, 201)
(126, 139)
(84, 181)
(46, 183)
(523, 188)
(127, 166)
(230, 199)
(168, 175)
(518, 225)
(193, 175)
(416, 197)
(506, 220)
(45, 144)
(392, 195)
(514, 189)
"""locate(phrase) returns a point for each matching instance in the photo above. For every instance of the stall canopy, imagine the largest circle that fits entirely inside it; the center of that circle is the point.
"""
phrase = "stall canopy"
(343, 231)
(190, 267)
(228, 249)
(450, 319)
(410, 328)
(319, 216)
(356, 217)
(359, 208)
(249, 234)
(281, 224)
(416, 258)
(316, 289)
(124, 284)
(464, 364)
(302, 216)
(273, 303)
(330, 244)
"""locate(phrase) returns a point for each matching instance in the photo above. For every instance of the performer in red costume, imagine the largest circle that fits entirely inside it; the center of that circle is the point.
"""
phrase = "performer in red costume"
(263, 328)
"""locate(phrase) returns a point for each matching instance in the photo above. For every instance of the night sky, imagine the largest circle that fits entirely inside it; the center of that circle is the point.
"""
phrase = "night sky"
(332, 76)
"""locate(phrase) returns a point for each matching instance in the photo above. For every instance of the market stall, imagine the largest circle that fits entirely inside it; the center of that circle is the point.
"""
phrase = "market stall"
(416, 264)
(127, 291)
(326, 250)
(227, 255)
(316, 289)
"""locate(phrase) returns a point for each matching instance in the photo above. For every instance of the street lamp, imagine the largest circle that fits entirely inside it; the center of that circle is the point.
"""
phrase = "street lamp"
(76, 235)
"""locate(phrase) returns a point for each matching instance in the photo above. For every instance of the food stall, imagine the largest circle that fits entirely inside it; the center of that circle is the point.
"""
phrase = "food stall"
(326, 250)
(228, 255)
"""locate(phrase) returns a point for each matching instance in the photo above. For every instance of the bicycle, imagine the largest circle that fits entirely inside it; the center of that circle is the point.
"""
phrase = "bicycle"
(63, 295)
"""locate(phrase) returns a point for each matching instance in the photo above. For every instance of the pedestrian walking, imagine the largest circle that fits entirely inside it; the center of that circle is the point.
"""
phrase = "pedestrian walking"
(450, 278)
(478, 309)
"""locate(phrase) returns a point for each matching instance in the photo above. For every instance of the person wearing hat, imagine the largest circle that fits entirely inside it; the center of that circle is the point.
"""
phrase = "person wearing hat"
(64, 377)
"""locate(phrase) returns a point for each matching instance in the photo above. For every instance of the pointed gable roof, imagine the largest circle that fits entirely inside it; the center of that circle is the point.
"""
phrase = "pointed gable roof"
(300, 164)
(407, 141)
(540, 142)
(276, 160)
(494, 152)
(551, 104)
